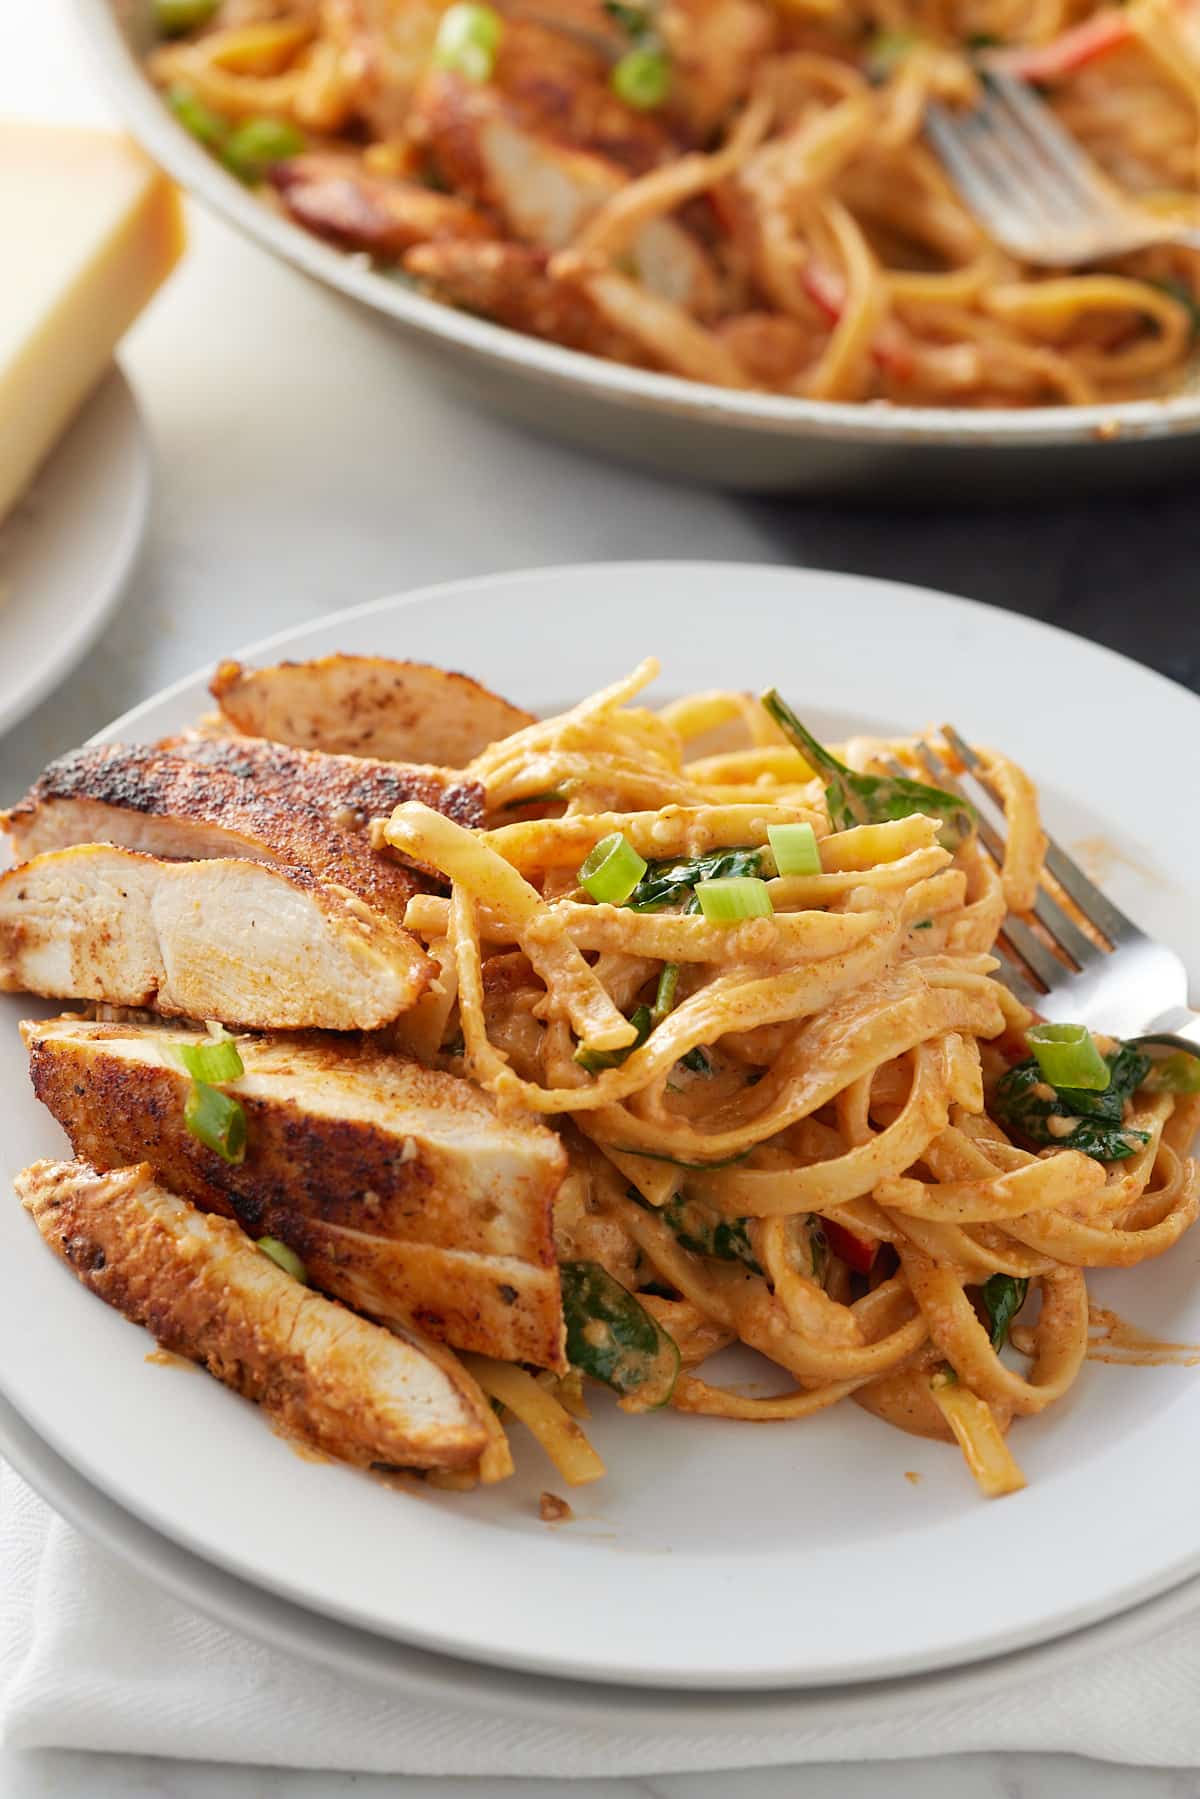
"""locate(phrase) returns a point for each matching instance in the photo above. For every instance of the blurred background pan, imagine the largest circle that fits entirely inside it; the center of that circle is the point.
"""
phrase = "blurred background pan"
(695, 432)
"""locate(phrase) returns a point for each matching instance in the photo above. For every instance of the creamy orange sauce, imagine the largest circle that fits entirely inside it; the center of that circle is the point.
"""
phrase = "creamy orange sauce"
(166, 1358)
(1100, 855)
(1112, 1338)
(912, 1477)
(308, 1452)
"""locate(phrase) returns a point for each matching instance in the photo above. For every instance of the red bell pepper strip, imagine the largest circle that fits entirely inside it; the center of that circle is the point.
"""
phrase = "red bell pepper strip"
(1103, 32)
(827, 291)
(856, 1252)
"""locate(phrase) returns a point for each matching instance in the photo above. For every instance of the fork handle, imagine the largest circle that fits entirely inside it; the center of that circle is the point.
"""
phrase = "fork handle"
(1176, 1029)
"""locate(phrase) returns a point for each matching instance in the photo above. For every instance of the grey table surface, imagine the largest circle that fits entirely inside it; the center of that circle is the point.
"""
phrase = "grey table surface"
(305, 464)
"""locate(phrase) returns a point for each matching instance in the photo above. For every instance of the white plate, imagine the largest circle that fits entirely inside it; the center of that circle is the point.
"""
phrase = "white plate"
(658, 1714)
(714, 1554)
(687, 428)
(67, 548)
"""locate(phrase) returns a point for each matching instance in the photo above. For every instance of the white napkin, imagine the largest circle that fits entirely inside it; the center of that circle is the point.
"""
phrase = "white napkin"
(93, 1656)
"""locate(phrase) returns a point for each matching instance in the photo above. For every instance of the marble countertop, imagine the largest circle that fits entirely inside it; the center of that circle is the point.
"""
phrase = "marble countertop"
(305, 464)
(60, 1776)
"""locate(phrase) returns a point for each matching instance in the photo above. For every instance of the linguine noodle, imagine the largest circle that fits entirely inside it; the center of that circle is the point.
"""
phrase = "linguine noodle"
(820, 1087)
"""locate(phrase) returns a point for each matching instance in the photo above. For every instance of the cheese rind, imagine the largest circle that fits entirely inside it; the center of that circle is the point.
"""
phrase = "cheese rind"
(90, 230)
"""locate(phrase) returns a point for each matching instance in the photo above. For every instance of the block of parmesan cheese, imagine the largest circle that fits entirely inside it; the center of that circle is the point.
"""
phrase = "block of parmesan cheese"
(89, 229)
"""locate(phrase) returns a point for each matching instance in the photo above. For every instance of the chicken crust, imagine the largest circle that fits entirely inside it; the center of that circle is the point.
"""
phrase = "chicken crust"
(400, 1188)
(207, 798)
(367, 706)
(346, 1386)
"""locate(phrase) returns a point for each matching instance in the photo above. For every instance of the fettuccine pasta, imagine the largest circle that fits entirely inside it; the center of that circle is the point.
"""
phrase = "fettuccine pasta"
(813, 1128)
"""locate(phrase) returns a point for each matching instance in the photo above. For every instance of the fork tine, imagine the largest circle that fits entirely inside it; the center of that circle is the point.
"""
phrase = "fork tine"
(1032, 186)
(1070, 162)
(1000, 137)
(1096, 907)
(1048, 969)
(985, 195)
(1046, 909)
(1016, 983)
(936, 769)
(993, 842)
(1066, 933)
(1034, 953)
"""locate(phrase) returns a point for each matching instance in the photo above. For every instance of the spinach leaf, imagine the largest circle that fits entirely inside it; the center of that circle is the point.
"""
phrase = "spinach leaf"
(632, 19)
(594, 1060)
(706, 1233)
(855, 799)
(887, 50)
(1185, 294)
(672, 882)
(696, 1062)
(1003, 1295)
(1020, 1102)
(614, 1339)
(550, 797)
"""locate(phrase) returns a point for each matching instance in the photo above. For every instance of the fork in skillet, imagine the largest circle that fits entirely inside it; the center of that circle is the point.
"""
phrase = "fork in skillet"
(1034, 189)
(1134, 988)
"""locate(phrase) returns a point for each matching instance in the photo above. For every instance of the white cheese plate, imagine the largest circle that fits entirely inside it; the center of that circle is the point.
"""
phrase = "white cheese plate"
(68, 546)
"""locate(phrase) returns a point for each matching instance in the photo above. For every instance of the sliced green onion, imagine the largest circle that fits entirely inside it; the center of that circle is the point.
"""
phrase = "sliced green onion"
(205, 125)
(467, 41)
(174, 17)
(214, 1062)
(731, 898)
(642, 79)
(1179, 1073)
(285, 1258)
(1068, 1057)
(216, 1121)
(887, 50)
(255, 147)
(664, 998)
(795, 849)
(612, 871)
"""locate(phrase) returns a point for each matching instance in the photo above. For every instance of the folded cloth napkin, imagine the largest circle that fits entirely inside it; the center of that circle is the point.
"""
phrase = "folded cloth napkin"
(94, 1656)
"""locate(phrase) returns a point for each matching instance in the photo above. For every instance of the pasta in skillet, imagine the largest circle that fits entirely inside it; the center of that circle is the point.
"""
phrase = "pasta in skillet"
(735, 191)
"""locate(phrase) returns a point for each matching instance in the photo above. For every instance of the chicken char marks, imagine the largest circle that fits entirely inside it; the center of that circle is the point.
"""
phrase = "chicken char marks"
(336, 1381)
(400, 1187)
(199, 798)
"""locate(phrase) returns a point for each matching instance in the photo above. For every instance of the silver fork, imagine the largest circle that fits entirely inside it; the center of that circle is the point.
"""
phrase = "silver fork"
(1135, 989)
(1032, 187)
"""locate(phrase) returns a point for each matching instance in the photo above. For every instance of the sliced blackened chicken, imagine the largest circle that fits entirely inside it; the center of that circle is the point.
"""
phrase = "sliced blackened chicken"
(335, 196)
(367, 706)
(399, 1187)
(337, 1381)
(230, 939)
(208, 798)
(512, 284)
